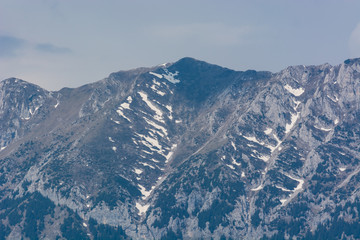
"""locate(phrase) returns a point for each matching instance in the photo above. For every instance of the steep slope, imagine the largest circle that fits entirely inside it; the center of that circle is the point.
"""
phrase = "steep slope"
(188, 150)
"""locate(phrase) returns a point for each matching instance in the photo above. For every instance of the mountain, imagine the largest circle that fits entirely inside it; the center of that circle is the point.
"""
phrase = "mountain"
(184, 150)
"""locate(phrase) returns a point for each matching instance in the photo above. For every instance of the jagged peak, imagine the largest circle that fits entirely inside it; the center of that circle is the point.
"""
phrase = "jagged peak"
(352, 61)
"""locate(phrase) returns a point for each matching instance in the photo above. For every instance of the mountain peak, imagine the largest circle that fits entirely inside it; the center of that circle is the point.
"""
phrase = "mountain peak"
(352, 61)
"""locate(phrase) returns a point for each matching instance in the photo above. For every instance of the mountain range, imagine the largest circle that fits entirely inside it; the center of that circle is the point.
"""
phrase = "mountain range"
(184, 150)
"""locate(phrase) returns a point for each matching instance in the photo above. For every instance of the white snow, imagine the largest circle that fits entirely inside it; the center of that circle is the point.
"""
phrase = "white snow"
(150, 153)
(57, 104)
(144, 192)
(156, 82)
(299, 187)
(235, 162)
(294, 118)
(169, 155)
(114, 149)
(138, 171)
(158, 113)
(324, 129)
(147, 165)
(169, 108)
(268, 131)
(223, 157)
(156, 161)
(178, 121)
(117, 122)
(297, 103)
(342, 169)
(336, 121)
(284, 189)
(264, 158)
(154, 142)
(84, 224)
(142, 208)
(153, 87)
(272, 149)
(125, 105)
(2, 148)
(253, 139)
(257, 188)
(233, 145)
(335, 100)
(156, 74)
(157, 126)
(293, 91)
(122, 115)
(242, 174)
(88, 205)
(111, 140)
(230, 166)
(282, 201)
(171, 76)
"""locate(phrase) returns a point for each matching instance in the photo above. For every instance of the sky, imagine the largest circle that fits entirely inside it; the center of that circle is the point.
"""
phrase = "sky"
(69, 43)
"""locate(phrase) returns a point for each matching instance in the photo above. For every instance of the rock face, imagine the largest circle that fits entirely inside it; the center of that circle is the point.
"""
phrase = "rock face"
(184, 150)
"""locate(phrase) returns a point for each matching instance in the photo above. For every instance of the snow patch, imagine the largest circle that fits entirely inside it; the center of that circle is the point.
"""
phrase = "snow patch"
(284, 189)
(111, 140)
(293, 91)
(157, 90)
(257, 188)
(264, 158)
(299, 187)
(336, 121)
(2, 148)
(125, 105)
(268, 131)
(342, 169)
(156, 75)
(230, 166)
(147, 165)
(171, 76)
(178, 121)
(169, 155)
(335, 100)
(324, 129)
(294, 118)
(158, 113)
(235, 162)
(142, 208)
(122, 115)
(233, 145)
(157, 126)
(117, 122)
(144, 192)
(114, 149)
(242, 174)
(253, 139)
(138, 171)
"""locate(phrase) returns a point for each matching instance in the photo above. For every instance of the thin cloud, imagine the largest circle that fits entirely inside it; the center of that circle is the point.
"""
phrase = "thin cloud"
(10, 45)
(50, 48)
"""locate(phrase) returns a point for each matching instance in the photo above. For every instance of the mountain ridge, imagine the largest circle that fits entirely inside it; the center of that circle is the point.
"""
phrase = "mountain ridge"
(184, 150)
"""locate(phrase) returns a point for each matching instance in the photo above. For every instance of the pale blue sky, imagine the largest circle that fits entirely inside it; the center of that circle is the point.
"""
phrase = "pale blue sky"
(68, 43)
